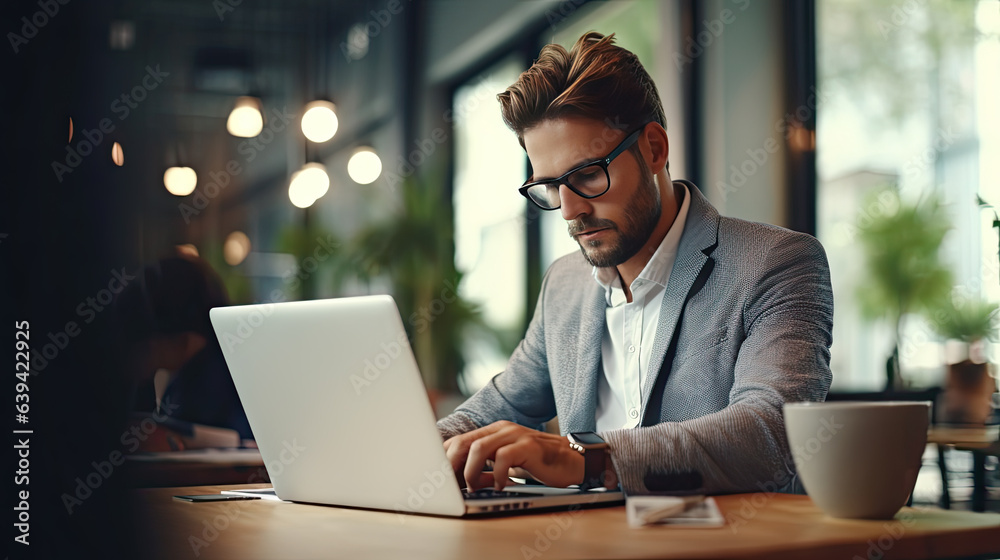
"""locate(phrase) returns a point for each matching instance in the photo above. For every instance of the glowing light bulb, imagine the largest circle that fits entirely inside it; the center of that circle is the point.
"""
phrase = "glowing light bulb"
(308, 185)
(180, 181)
(245, 120)
(118, 154)
(236, 248)
(319, 121)
(364, 166)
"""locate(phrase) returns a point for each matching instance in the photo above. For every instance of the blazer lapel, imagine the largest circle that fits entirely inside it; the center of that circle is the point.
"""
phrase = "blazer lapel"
(701, 232)
(583, 408)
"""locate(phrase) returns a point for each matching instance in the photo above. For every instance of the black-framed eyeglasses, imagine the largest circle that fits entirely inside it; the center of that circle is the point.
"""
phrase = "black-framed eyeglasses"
(589, 180)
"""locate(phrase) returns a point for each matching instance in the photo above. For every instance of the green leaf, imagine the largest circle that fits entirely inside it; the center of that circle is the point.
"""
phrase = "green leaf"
(966, 320)
(904, 271)
(414, 250)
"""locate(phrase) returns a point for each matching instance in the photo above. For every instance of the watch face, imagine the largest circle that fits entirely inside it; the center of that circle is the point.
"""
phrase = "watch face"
(587, 438)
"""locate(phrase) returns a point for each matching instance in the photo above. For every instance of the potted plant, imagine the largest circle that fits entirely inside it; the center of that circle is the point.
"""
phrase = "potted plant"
(414, 248)
(969, 387)
(318, 253)
(904, 270)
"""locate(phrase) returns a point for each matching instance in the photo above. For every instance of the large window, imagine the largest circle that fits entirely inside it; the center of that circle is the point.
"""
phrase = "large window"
(908, 100)
(490, 246)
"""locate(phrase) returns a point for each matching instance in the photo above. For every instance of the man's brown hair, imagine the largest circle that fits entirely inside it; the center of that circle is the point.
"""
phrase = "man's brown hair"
(595, 79)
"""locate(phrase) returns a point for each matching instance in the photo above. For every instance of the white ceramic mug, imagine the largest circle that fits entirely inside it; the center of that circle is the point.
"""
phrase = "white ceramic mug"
(858, 460)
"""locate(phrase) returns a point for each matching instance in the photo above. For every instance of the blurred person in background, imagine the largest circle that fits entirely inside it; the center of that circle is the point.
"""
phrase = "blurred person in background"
(174, 358)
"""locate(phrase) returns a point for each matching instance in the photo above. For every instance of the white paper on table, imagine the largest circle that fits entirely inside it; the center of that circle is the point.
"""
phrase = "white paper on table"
(704, 514)
(262, 493)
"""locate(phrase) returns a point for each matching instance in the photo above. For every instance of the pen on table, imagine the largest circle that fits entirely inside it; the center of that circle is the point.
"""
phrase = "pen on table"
(687, 503)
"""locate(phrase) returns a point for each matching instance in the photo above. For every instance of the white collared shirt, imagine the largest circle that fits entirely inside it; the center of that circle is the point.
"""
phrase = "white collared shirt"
(630, 329)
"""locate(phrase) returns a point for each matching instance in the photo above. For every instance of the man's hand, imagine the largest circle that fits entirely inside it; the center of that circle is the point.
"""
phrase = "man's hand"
(548, 458)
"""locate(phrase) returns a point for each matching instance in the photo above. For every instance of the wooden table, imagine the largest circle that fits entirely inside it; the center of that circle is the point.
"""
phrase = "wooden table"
(758, 526)
(981, 442)
(201, 466)
(966, 437)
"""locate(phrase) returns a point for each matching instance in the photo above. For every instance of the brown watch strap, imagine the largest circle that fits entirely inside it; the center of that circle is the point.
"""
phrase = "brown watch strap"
(594, 465)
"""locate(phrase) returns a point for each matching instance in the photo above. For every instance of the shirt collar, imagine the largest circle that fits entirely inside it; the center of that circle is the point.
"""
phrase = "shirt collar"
(657, 270)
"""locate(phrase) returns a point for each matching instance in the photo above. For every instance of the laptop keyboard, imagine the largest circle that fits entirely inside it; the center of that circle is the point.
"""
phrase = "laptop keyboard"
(489, 494)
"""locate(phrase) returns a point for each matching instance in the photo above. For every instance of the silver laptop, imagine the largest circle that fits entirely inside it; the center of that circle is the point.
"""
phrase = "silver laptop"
(341, 416)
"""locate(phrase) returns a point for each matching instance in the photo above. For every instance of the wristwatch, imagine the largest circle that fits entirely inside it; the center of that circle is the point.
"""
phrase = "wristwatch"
(595, 457)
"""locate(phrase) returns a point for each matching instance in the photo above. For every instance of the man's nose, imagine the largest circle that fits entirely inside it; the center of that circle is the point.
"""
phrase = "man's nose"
(572, 205)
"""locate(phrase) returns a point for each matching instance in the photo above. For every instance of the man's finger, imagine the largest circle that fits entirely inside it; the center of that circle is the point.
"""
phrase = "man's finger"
(481, 450)
(456, 456)
(475, 461)
(456, 448)
(484, 480)
(506, 457)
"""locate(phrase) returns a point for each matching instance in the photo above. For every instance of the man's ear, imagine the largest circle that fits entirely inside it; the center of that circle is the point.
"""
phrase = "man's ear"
(659, 147)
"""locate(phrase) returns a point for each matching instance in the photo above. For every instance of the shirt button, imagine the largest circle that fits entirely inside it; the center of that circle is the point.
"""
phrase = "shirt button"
(631, 348)
(633, 413)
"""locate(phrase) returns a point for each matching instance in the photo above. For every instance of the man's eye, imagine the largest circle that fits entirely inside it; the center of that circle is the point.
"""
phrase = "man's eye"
(586, 176)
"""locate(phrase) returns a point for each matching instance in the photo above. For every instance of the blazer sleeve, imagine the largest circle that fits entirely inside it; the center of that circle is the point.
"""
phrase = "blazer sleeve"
(785, 357)
(522, 393)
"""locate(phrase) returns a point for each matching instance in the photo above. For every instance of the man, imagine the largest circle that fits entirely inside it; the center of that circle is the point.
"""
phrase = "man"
(675, 334)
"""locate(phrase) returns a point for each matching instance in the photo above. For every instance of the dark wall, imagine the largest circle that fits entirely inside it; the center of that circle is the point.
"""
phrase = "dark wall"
(64, 242)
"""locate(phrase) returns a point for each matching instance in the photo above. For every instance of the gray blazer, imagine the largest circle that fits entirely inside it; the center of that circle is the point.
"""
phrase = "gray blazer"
(746, 325)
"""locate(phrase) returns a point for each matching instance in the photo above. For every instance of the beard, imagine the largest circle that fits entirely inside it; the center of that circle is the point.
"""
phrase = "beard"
(643, 214)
